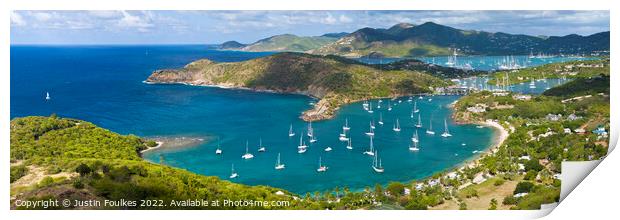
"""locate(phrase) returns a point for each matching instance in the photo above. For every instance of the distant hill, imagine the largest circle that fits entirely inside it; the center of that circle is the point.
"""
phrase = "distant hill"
(334, 80)
(581, 86)
(429, 39)
(231, 45)
(285, 42)
(335, 35)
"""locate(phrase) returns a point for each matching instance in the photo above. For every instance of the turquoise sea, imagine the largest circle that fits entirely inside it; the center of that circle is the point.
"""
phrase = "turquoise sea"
(103, 85)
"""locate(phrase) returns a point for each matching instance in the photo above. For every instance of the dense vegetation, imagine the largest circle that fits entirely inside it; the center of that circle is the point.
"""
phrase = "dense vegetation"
(430, 39)
(581, 87)
(284, 42)
(334, 79)
(110, 167)
(570, 70)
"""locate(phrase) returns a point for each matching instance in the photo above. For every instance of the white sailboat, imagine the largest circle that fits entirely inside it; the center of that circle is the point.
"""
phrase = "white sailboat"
(415, 137)
(430, 127)
(310, 132)
(343, 135)
(218, 150)
(328, 149)
(279, 166)
(290, 131)
(396, 126)
(47, 96)
(419, 125)
(365, 105)
(233, 174)
(415, 107)
(371, 149)
(349, 146)
(370, 108)
(372, 124)
(261, 148)
(321, 167)
(302, 146)
(247, 154)
(371, 132)
(414, 147)
(346, 125)
(376, 164)
(446, 133)
(379, 104)
(389, 105)
(381, 118)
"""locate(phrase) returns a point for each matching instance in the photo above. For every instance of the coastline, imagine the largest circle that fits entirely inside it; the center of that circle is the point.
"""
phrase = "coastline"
(175, 143)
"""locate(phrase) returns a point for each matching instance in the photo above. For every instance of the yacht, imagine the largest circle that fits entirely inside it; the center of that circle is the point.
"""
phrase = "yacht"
(290, 131)
(381, 118)
(371, 149)
(415, 137)
(371, 132)
(247, 154)
(370, 108)
(446, 133)
(415, 107)
(328, 149)
(218, 150)
(430, 127)
(414, 147)
(346, 125)
(321, 167)
(47, 96)
(376, 164)
(233, 174)
(419, 125)
(349, 146)
(396, 126)
(261, 148)
(343, 136)
(279, 166)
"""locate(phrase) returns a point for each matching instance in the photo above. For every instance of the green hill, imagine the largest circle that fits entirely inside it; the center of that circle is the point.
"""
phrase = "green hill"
(333, 79)
(581, 86)
(431, 39)
(82, 161)
(287, 42)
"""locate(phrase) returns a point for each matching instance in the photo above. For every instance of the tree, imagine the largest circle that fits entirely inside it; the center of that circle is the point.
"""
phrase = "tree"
(493, 204)
(523, 187)
(395, 188)
(83, 169)
(463, 206)
(378, 192)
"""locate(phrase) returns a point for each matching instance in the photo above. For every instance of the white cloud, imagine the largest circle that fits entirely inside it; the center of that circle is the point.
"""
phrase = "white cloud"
(17, 19)
(140, 23)
(105, 14)
(42, 16)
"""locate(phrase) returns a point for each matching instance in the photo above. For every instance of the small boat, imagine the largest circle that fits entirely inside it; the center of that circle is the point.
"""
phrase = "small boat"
(414, 147)
(328, 149)
(370, 108)
(430, 131)
(371, 149)
(301, 150)
(420, 97)
(279, 166)
(310, 132)
(381, 118)
(233, 174)
(247, 154)
(415, 107)
(371, 132)
(321, 167)
(396, 126)
(343, 135)
(346, 125)
(47, 96)
(261, 148)
(290, 131)
(372, 124)
(218, 150)
(446, 133)
(479, 126)
(419, 125)
(349, 146)
(312, 139)
(410, 99)
(415, 137)
(463, 144)
(302, 145)
(389, 106)
(376, 164)
(379, 104)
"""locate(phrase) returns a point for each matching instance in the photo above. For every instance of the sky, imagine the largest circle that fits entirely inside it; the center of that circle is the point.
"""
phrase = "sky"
(213, 27)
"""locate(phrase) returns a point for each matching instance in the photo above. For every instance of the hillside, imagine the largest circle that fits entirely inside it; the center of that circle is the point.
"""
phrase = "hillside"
(334, 80)
(581, 87)
(570, 70)
(286, 42)
(431, 39)
(79, 161)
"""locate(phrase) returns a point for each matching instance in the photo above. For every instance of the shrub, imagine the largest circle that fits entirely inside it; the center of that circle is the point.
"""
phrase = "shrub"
(18, 172)
(523, 187)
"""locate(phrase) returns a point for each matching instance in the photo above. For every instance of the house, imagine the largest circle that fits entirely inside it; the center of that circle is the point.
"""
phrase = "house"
(553, 117)
(476, 109)
(567, 131)
(519, 195)
(573, 117)
(479, 178)
(526, 157)
(522, 97)
(407, 191)
(580, 131)
(419, 186)
(452, 175)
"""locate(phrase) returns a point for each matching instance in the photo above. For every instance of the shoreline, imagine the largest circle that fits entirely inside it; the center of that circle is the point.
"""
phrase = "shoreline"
(172, 143)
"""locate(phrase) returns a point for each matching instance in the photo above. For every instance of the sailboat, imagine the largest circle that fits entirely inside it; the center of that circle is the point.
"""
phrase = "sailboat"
(370, 108)
(218, 150)
(302, 146)
(446, 133)
(371, 149)
(247, 154)
(415, 137)
(419, 125)
(396, 126)
(389, 105)
(290, 131)
(371, 132)
(47, 96)
(343, 135)
(381, 118)
(379, 104)
(365, 105)
(328, 149)
(532, 85)
(233, 174)
(279, 166)
(376, 164)
(372, 124)
(349, 146)
(321, 167)
(346, 125)
(430, 127)
(415, 107)
(310, 130)
(261, 148)
(414, 147)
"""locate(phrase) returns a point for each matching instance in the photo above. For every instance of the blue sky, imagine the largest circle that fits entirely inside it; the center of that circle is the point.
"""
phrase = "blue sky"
(190, 27)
